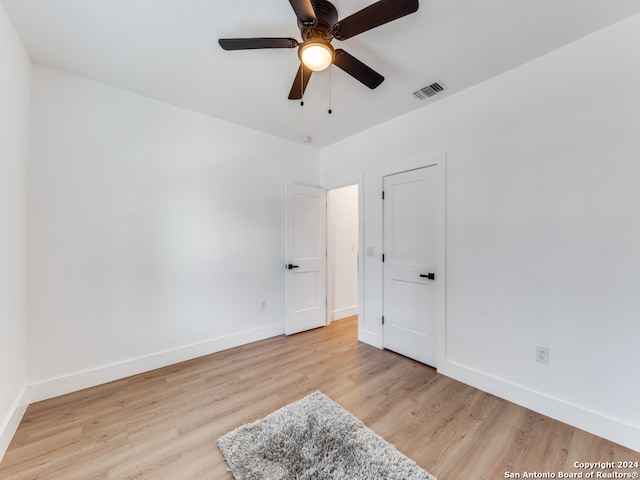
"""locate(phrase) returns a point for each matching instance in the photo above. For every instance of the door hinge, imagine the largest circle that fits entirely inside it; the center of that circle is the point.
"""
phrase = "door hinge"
(383, 257)
(383, 194)
(383, 319)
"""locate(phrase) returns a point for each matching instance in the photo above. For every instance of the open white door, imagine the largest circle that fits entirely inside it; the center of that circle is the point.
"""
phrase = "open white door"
(410, 277)
(306, 258)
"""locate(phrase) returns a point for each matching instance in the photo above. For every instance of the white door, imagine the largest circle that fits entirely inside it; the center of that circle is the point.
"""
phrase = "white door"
(409, 295)
(306, 258)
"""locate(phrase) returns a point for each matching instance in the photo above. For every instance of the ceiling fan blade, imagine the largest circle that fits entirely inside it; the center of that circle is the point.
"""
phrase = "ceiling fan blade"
(376, 14)
(357, 69)
(253, 43)
(304, 10)
(300, 83)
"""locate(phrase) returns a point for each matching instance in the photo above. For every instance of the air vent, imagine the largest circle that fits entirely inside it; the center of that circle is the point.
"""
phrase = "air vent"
(430, 90)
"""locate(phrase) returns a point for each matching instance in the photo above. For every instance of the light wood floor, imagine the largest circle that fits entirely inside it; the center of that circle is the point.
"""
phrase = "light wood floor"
(164, 424)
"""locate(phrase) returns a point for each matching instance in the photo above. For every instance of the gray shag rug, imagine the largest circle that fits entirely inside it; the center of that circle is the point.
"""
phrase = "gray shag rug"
(314, 438)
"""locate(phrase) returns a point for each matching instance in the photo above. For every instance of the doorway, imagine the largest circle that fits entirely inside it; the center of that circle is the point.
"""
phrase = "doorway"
(342, 252)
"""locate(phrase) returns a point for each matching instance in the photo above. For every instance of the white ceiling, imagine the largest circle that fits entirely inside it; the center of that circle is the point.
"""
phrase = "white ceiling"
(168, 50)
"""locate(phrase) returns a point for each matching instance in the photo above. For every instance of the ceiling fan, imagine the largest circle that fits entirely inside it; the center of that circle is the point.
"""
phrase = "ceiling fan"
(319, 25)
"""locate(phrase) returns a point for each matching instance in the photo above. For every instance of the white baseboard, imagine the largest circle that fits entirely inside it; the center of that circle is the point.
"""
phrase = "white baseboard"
(341, 313)
(89, 378)
(11, 421)
(575, 415)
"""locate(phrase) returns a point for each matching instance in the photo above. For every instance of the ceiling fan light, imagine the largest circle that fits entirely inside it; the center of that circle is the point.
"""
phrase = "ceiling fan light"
(316, 55)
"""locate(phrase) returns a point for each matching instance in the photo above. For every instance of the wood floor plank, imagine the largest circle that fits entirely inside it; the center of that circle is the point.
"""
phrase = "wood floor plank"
(165, 424)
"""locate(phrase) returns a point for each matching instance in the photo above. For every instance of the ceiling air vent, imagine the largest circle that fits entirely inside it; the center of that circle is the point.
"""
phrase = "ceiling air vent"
(429, 90)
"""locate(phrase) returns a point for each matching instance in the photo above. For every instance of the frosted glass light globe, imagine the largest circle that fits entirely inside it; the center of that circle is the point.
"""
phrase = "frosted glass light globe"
(316, 56)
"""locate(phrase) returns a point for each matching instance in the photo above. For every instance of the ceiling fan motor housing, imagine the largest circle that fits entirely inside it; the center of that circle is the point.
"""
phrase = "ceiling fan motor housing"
(327, 17)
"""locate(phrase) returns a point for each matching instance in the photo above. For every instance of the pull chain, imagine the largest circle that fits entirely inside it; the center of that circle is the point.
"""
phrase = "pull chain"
(330, 111)
(301, 84)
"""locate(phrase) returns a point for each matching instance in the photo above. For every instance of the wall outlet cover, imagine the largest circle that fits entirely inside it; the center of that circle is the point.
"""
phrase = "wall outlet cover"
(542, 354)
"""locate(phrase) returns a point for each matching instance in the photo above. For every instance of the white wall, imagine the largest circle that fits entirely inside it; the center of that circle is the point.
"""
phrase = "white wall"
(543, 228)
(15, 73)
(154, 233)
(342, 252)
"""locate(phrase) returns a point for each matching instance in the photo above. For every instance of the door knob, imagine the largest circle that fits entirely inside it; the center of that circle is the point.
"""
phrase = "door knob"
(291, 267)
(430, 276)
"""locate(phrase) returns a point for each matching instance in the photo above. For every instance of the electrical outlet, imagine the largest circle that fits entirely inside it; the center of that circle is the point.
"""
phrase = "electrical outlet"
(542, 354)
(263, 305)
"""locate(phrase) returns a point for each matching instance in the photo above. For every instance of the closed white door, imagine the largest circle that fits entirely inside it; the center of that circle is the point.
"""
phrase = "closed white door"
(306, 258)
(409, 267)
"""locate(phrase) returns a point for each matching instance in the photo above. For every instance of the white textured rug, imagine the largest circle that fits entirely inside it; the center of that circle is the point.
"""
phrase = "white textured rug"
(314, 438)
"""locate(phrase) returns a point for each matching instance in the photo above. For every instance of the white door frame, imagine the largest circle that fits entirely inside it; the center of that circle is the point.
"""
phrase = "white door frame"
(440, 162)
